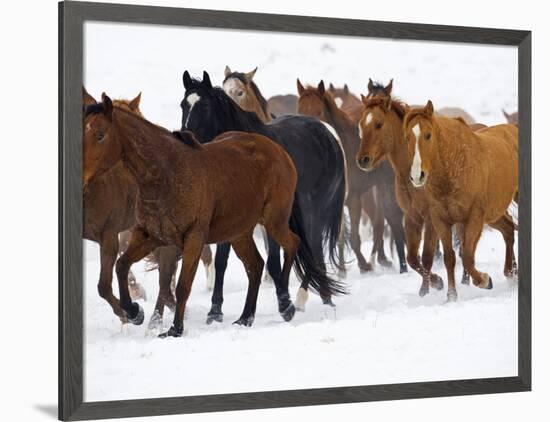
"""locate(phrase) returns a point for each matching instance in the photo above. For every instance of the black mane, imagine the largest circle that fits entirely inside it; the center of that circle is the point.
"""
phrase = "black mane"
(378, 88)
(94, 109)
(242, 78)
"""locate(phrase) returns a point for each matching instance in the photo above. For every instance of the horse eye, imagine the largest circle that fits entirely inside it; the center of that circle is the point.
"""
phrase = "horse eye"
(379, 125)
(99, 136)
(428, 136)
(240, 93)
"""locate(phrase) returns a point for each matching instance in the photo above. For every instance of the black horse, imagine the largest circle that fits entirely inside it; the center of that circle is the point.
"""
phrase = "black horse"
(208, 111)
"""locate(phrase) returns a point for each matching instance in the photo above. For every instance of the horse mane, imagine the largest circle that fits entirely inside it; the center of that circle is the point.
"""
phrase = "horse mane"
(227, 109)
(400, 107)
(241, 77)
(93, 109)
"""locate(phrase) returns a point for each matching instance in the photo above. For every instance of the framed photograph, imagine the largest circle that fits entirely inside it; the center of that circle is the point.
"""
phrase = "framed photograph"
(261, 211)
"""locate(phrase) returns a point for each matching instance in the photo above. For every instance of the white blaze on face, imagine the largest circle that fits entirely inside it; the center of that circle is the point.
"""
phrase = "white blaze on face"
(367, 120)
(416, 168)
(231, 87)
(338, 102)
(191, 100)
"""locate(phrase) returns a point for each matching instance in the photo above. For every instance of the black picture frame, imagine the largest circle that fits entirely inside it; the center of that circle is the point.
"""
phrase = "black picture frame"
(72, 15)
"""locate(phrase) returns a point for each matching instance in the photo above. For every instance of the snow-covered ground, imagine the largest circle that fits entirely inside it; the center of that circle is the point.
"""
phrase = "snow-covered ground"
(382, 332)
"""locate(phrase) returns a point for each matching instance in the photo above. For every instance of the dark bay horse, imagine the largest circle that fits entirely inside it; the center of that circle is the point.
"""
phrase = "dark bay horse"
(470, 179)
(320, 103)
(381, 128)
(191, 194)
(109, 209)
(208, 111)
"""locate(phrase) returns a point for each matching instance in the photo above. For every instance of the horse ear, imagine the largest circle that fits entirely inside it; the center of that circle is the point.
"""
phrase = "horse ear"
(371, 85)
(321, 87)
(346, 89)
(429, 109)
(227, 71)
(87, 99)
(250, 75)
(206, 79)
(331, 87)
(389, 87)
(186, 80)
(506, 115)
(107, 106)
(364, 99)
(134, 104)
(301, 88)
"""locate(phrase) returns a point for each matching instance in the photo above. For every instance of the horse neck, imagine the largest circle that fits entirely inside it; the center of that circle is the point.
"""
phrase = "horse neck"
(257, 106)
(246, 121)
(345, 128)
(397, 153)
(143, 154)
(451, 153)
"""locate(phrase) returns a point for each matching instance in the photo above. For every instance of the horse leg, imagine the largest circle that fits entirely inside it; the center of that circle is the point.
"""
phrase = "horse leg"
(220, 264)
(354, 207)
(246, 250)
(506, 227)
(206, 258)
(444, 230)
(167, 265)
(192, 248)
(472, 232)
(395, 220)
(108, 252)
(458, 241)
(341, 249)
(136, 289)
(413, 234)
(375, 211)
(428, 252)
(141, 244)
(286, 308)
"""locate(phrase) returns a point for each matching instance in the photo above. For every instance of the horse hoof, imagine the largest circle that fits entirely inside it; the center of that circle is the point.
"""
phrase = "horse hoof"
(211, 317)
(489, 284)
(403, 269)
(452, 296)
(436, 282)
(385, 263)
(245, 321)
(288, 313)
(424, 290)
(172, 332)
(365, 268)
(155, 321)
(466, 279)
(139, 316)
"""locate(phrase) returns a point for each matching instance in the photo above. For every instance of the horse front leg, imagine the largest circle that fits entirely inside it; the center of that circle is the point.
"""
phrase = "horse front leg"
(472, 232)
(413, 236)
(108, 247)
(506, 227)
(354, 207)
(444, 230)
(192, 248)
(141, 244)
(167, 265)
(220, 265)
(428, 252)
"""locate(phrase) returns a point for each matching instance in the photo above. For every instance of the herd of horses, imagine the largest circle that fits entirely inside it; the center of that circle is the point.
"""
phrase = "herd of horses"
(153, 194)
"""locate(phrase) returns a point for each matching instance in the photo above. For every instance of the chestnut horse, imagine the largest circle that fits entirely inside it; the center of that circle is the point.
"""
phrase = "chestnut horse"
(109, 209)
(319, 103)
(245, 93)
(470, 178)
(381, 129)
(511, 118)
(344, 98)
(191, 194)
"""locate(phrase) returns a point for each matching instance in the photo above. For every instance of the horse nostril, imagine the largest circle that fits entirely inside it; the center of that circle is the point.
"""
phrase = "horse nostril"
(364, 161)
(422, 175)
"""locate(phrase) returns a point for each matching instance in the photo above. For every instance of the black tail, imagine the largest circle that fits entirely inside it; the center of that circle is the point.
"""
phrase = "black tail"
(307, 268)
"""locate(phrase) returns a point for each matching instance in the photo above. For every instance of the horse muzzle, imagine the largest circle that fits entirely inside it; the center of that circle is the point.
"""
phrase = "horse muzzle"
(365, 163)
(418, 180)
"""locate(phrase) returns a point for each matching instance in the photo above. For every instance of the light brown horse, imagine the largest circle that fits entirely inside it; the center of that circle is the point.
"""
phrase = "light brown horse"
(381, 129)
(470, 179)
(318, 102)
(282, 105)
(244, 91)
(109, 213)
(191, 194)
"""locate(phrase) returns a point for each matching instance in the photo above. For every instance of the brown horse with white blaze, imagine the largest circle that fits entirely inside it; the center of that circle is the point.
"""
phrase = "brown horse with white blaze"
(191, 194)
(381, 129)
(470, 178)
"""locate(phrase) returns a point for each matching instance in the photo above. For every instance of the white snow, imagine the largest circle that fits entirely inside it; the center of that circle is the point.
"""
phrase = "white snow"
(382, 332)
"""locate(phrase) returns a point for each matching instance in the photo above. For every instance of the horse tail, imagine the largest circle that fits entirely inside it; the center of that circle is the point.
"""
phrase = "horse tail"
(305, 265)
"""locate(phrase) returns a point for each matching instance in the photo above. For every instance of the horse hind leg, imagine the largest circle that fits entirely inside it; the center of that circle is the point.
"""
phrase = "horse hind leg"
(246, 250)
(220, 265)
(286, 308)
(108, 254)
(472, 233)
(167, 257)
(354, 207)
(458, 241)
(209, 268)
(136, 289)
(506, 227)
